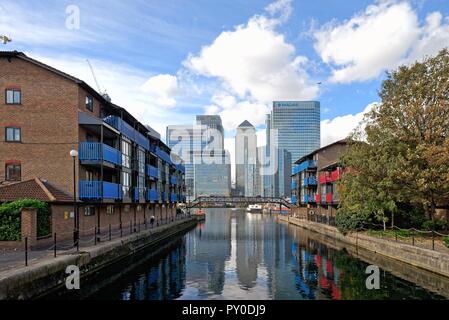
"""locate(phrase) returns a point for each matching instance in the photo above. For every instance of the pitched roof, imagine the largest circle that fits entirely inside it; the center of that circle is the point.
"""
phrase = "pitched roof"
(246, 124)
(36, 188)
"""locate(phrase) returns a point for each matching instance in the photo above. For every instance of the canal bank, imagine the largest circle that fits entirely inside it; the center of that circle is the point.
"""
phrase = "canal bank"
(434, 261)
(50, 274)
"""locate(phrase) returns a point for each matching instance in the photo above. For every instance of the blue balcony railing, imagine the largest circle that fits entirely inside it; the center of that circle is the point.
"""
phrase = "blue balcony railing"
(294, 184)
(294, 200)
(174, 197)
(306, 165)
(163, 155)
(138, 193)
(97, 190)
(152, 195)
(310, 181)
(173, 180)
(181, 168)
(309, 199)
(164, 197)
(91, 151)
(128, 131)
(152, 172)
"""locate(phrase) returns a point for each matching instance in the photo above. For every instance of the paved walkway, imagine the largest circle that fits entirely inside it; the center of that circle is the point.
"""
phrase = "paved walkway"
(13, 259)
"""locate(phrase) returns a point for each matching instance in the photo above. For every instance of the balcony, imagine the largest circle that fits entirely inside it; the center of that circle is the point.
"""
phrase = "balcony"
(174, 197)
(128, 131)
(181, 168)
(94, 152)
(310, 181)
(138, 194)
(152, 172)
(98, 190)
(152, 195)
(325, 178)
(318, 198)
(164, 197)
(294, 200)
(173, 180)
(294, 184)
(163, 155)
(328, 197)
(309, 198)
(304, 166)
(336, 175)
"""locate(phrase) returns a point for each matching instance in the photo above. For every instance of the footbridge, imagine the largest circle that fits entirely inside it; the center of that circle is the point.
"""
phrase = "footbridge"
(200, 201)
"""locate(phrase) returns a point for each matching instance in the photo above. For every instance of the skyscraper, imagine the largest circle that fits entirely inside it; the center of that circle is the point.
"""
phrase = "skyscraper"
(246, 160)
(298, 127)
(208, 167)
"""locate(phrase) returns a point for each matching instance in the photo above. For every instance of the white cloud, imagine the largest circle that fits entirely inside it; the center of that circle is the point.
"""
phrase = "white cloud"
(112, 77)
(370, 42)
(162, 88)
(254, 65)
(434, 36)
(340, 127)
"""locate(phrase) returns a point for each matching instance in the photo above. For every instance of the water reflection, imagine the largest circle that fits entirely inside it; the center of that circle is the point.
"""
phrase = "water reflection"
(238, 255)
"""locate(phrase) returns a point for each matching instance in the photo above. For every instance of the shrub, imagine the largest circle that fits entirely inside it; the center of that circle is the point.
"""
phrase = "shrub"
(346, 221)
(436, 225)
(446, 241)
(10, 222)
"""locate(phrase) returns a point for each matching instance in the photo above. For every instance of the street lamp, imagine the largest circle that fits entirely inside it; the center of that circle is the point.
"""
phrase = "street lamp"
(74, 154)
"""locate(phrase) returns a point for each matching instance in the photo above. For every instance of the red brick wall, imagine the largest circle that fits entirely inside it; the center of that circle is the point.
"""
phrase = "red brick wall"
(47, 118)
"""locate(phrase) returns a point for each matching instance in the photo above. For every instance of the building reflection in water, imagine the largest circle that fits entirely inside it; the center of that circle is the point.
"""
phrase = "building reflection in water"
(238, 255)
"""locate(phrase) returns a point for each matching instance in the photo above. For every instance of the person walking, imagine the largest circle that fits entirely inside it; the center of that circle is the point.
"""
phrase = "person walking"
(152, 221)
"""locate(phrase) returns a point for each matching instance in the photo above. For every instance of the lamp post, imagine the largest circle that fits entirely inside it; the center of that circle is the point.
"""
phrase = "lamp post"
(74, 154)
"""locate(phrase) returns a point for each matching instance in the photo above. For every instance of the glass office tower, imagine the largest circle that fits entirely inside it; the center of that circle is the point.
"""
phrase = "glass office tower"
(298, 127)
(201, 146)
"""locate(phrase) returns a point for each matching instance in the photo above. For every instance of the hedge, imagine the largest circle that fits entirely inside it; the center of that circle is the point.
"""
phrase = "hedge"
(10, 220)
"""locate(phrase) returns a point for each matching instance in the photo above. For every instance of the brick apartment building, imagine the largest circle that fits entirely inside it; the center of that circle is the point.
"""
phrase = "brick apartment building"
(124, 172)
(314, 180)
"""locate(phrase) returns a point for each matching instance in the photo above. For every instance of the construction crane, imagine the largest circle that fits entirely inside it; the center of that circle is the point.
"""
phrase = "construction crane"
(103, 93)
(5, 39)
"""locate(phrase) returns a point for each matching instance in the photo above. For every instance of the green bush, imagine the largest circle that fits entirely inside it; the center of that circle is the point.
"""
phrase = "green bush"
(436, 225)
(350, 221)
(446, 241)
(10, 222)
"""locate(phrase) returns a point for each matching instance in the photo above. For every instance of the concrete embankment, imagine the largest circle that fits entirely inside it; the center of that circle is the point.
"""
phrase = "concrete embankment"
(49, 274)
(434, 261)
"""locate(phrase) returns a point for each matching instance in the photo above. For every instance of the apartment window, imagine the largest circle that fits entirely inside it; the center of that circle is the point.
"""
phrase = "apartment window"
(13, 172)
(126, 183)
(89, 103)
(89, 175)
(89, 211)
(13, 96)
(126, 154)
(110, 209)
(13, 134)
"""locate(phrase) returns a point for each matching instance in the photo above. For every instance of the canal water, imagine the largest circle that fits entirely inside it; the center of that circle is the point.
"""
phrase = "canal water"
(240, 255)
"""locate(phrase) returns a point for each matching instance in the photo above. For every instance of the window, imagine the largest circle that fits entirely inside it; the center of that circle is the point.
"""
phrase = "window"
(110, 209)
(13, 172)
(126, 183)
(89, 103)
(126, 154)
(13, 134)
(89, 175)
(13, 96)
(89, 211)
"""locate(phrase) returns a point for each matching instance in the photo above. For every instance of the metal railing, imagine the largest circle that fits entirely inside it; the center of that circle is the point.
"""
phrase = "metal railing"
(71, 242)
(426, 239)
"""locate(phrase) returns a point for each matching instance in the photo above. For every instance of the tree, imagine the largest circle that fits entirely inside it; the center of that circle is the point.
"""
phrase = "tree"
(401, 149)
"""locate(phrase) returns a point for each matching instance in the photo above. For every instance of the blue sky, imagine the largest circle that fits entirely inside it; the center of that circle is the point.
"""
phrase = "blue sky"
(168, 60)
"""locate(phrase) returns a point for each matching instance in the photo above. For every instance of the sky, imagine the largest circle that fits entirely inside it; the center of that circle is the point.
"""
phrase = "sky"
(167, 61)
